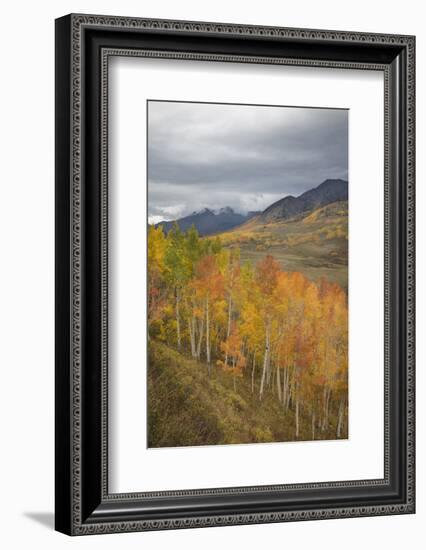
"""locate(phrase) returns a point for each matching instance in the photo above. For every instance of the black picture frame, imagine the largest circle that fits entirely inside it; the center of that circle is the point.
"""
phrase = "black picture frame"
(83, 45)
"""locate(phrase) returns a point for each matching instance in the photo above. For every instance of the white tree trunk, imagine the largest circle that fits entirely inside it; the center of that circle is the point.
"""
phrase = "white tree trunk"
(340, 418)
(200, 339)
(290, 383)
(178, 317)
(297, 416)
(265, 363)
(285, 387)
(208, 333)
(228, 330)
(327, 408)
(252, 372)
(191, 328)
(279, 384)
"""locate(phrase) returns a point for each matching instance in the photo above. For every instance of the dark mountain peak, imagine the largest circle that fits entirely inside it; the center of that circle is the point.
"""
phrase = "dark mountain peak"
(332, 183)
(330, 190)
(283, 209)
(226, 210)
(208, 222)
(206, 211)
(203, 212)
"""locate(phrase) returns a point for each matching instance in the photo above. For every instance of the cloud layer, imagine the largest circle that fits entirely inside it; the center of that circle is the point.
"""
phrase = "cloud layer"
(212, 155)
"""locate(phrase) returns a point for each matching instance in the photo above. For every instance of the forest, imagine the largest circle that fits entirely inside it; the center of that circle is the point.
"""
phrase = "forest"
(232, 342)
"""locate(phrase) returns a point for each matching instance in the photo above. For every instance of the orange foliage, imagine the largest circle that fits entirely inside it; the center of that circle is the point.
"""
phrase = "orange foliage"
(295, 330)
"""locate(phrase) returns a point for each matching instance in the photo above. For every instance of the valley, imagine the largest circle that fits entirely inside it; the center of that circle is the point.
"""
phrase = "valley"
(306, 234)
(315, 245)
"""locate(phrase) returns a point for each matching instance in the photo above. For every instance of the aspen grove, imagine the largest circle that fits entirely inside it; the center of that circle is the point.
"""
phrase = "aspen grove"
(278, 332)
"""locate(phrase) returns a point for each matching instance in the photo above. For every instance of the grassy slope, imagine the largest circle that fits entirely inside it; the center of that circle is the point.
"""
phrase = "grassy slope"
(186, 407)
(315, 245)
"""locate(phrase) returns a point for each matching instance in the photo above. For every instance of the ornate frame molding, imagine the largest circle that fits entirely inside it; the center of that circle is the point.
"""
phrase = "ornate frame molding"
(72, 517)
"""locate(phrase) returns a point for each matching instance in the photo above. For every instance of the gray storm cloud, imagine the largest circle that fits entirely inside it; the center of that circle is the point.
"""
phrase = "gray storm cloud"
(243, 156)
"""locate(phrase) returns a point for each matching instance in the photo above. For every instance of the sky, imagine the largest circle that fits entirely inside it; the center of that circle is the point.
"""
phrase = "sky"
(209, 155)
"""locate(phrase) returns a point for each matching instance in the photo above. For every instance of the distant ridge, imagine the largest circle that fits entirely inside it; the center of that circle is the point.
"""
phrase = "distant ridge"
(329, 191)
(208, 222)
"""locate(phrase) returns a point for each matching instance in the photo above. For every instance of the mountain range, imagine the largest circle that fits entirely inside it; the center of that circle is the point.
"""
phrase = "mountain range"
(209, 222)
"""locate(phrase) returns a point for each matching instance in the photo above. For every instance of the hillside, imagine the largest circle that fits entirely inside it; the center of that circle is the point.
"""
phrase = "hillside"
(187, 407)
(329, 191)
(314, 243)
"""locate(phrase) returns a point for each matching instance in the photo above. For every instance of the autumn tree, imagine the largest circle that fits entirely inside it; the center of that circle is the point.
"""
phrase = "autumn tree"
(156, 290)
(231, 280)
(232, 348)
(193, 250)
(266, 278)
(177, 270)
(283, 333)
(209, 286)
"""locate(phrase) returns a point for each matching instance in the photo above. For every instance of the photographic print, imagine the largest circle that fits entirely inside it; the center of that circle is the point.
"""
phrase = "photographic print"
(247, 297)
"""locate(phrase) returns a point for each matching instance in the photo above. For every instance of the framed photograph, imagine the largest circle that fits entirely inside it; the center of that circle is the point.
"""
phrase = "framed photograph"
(234, 274)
